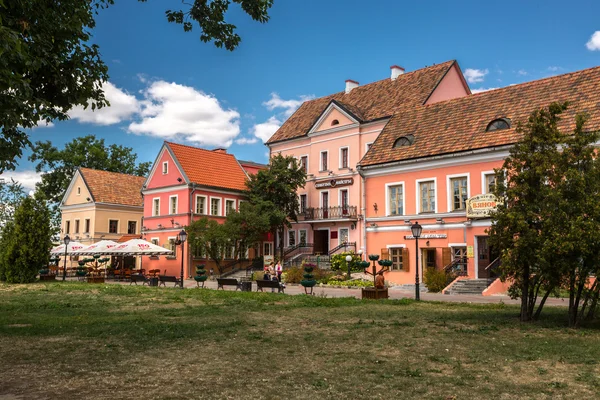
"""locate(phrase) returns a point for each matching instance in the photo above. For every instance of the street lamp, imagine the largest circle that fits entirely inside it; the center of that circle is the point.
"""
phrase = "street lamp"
(416, 232)
(66, 240)
(348, 261)
(181, 237)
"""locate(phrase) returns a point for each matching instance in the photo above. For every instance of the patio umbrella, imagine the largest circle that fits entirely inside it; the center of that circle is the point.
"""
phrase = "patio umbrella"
(71, 248)
(138, 247)
(101, 247)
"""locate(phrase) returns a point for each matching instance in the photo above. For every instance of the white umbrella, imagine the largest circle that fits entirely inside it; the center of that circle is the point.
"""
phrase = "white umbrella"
(71, 248)
(138, 247)
(101, 247)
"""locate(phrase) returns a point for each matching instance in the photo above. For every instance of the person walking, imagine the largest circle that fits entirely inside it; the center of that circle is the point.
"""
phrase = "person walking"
(279, 270)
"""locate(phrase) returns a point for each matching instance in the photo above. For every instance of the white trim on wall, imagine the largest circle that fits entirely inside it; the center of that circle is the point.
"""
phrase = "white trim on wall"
(118, 226)
(220, 213)
(387, 197)
(321, 198)
(321, 160)
(204, 210)
(307, 161)
(340, 157)
(225, 205)
(483, 183)
(393, 246)
(153, 209)
(418, 192)
(176, 197)
(165, 168)
(449, 189)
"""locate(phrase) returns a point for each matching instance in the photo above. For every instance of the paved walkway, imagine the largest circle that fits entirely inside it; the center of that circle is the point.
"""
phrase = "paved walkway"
(394, 294)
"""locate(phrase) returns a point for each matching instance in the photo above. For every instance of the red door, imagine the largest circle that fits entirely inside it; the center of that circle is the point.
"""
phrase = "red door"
(325, 204)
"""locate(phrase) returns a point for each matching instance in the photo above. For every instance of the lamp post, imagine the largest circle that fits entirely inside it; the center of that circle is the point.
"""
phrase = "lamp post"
(181, 237)
(66, 240)
(416, 232)
(348, 261)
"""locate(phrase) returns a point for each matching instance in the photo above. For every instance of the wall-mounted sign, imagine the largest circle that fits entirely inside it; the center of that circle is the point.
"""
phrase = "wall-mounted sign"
(334, 183)
(481, 205)
(470, 252)
(428, 236)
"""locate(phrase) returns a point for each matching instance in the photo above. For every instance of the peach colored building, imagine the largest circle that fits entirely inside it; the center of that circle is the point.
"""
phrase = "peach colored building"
(187, 183)
(434, 146)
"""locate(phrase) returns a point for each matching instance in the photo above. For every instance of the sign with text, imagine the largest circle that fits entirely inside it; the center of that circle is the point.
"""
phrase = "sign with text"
(482, 205)
(331, 183)
(428, 236)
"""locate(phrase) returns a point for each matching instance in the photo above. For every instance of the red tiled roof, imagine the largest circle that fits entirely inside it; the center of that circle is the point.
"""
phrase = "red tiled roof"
(128, 237)
(460, 124)
(368, 102)
(209, 168)
(113, 187)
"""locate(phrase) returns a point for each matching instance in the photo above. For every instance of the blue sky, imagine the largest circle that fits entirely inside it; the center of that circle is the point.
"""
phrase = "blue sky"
(167, 85)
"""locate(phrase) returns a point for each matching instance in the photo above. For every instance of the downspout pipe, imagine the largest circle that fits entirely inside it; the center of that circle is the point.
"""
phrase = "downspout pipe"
(363, 209)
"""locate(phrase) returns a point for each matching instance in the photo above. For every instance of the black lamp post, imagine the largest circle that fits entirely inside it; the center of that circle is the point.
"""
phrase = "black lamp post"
(416, 232)
(66, 240)
(349, 262)
(181, 237)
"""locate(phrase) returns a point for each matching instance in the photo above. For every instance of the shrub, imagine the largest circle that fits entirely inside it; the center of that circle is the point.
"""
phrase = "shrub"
(296, 274)
(338, 262)
(435, 279)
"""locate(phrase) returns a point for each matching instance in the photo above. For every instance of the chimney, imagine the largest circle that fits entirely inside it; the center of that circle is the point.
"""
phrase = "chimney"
(396, 71)
(220, 150)
(350, 84)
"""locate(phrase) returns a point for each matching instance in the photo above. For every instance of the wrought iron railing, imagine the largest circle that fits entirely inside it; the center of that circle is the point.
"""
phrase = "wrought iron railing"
(343, 246)
(458, 266)
(494, 265)
(337, 212)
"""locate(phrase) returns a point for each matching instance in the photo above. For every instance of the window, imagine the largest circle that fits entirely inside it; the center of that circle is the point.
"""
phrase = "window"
(86, 226)
(396, 200)
(498, 124)
(459, 192)
(113, 226)
(268, 249)
(78, 190)
(302, 235)
(215, 206)
(67, 227)
(173, 205)
(229, 206)
(302, 203)
(489, 183)
(304, 163)
(172, 246)
(427, 194)
(344, 157)
(459, 255)
(325, 204)
(429, 258)
(404, 141)
(344, 235)
(335, 122)
(76, 226)
(291, 238)
(229, 250)
(344, 201)
(200, 205)
(198, 251)
(397, 255)
(154, 241)
(165, 166)
(156, 207)
(132, 227)
(369, 146)
(324, 166)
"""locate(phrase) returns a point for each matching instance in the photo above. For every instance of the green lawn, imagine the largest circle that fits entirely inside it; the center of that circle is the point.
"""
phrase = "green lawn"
(82, 341)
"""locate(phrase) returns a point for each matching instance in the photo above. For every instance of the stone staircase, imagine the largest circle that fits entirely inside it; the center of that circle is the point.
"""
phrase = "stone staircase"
(469, 286)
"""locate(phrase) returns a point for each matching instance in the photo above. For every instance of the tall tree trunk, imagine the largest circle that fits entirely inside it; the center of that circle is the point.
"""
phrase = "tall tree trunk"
(525, 295)
(539, 308)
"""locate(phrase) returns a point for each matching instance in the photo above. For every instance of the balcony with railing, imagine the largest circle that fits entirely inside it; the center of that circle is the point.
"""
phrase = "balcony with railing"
(328, 213)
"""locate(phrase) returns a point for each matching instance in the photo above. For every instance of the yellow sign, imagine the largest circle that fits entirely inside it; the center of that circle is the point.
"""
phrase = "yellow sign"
(480, 206)
(470, 252)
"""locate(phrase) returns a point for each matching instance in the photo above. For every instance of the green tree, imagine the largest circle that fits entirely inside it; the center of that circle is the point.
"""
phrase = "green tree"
(210, 237)
(26, 241)
(11, 194)
(520, 225)
(48, 65)
(278, 184)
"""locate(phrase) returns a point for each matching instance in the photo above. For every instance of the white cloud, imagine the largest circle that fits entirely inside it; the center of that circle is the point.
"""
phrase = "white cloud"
(289, 106)
(479, 90)
(554, 68)
(594, 42)
(244, 140)
(26, 178)
(43, 124)
(265, 130)
(522, 72)
(122, 107)
(176, 111)
(475, 75)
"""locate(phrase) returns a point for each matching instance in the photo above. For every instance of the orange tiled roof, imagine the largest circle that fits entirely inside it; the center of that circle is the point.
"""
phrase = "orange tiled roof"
(209, 168)
(113, 187)
(460, 124)
(128, 237)
(368, 102)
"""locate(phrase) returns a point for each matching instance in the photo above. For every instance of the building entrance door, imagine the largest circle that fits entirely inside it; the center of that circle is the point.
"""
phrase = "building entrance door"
(321, 238)
(483, 257)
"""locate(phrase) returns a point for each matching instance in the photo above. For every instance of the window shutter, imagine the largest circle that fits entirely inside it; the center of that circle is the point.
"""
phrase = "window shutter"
(405, 260)
(385, 254)
(446, 256)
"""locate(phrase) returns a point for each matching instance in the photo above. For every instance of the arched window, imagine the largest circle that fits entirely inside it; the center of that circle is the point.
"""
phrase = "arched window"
(498, 124)
(404, 141)
(335, 122)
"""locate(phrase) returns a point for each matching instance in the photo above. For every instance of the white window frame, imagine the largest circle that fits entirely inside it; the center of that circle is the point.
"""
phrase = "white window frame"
(321, 161)
(340, 235)
(220, 211)
(295, 237)
(340, 157)
(449, 190)
(165, 167)
(300, 202)
(418, 193)
(321, 198)
(225, 205)
(340, 196)
(387, 197)
(118, 225)
(174, 249)
(203, 211)
(305, 235)
(157, 241)
(136, 226)
(154, 214)
(176, 197)
(484, 189)
(307, 161)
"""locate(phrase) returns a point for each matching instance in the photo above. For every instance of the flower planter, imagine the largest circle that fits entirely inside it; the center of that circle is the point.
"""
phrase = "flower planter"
(372, 293)
(95, 279)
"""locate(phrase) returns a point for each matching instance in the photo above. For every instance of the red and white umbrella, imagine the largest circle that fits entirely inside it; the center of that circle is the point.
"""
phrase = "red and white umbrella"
(71, 248)
(101, 247)
(138, 247)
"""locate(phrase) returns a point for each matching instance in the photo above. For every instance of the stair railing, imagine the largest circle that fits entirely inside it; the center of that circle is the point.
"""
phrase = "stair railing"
(452, 267)
(344, 245)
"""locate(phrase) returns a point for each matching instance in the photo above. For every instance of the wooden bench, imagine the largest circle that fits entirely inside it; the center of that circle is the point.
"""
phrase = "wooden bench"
(260, 284)
(227, 282)
(135, 278)
(163, 279)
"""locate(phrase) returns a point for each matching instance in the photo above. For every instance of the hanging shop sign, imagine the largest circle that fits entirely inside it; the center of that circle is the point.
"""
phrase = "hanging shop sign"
(331, 183)
(428, 236)
(482, 205)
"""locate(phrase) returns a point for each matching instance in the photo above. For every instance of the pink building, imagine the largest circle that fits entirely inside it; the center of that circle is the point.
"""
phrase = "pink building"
(187, 183)
(434, 147)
